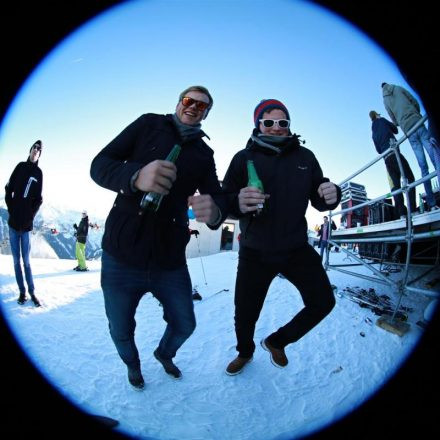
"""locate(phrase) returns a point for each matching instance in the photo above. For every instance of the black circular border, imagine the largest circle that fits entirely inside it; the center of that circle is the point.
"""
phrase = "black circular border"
(29, 405)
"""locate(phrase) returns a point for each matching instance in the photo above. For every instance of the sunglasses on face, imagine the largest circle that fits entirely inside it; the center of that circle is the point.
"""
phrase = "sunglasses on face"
(200, 105)
(37, 147)
(282, 123)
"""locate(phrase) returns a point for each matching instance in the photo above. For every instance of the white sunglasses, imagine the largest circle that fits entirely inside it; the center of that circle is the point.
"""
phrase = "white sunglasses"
(282, 123)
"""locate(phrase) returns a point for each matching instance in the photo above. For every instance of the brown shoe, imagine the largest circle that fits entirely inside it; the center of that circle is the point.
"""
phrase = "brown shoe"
(277, 356)
(237, 365)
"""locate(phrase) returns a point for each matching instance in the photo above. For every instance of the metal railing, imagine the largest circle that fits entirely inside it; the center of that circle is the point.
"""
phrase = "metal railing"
(401, 285)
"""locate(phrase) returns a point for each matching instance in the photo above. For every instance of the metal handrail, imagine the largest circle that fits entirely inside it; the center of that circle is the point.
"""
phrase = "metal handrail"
(408, 237)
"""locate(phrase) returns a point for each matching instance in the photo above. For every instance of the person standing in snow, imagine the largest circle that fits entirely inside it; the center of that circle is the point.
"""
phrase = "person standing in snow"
(404, 110)
(81, 233)
(383, 132)
(23, 199)
(275, 241)
(323, 234)
(144, 251)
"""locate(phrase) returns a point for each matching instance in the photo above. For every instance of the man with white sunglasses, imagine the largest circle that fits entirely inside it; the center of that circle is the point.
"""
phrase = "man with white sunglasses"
(144, 251)
(274, 239)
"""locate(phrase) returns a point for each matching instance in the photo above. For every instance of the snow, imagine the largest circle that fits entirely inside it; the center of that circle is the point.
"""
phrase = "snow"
(331, 371)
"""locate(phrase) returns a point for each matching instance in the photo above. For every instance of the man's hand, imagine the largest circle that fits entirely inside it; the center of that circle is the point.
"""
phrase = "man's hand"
(204, 208)
(250, 199)
(158, 176)
(328, 191)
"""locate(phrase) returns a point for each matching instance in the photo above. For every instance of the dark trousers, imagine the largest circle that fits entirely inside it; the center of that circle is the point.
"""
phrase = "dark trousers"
(123, 287)
(395, 176)
(303, 268)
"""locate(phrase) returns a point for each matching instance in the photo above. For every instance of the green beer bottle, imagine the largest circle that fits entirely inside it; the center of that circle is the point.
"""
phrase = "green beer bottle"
(151, 200)
(254, 181)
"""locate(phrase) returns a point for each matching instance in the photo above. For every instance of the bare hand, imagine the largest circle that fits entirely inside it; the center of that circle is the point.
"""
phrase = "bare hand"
(250, 199)
(328, 191)
(158, 176)
(204, 208)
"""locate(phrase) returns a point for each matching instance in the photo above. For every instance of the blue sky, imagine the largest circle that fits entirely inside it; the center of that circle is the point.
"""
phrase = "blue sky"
(138, 56)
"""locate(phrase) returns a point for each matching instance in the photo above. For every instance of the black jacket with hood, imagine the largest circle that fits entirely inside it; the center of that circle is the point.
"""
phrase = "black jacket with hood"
(291, 175)
(139, 238)
(23, 195)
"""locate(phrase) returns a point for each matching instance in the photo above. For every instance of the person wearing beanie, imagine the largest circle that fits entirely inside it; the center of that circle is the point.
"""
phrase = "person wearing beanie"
(23, 199)
(144, 251)
(274, 238)
(383, 132)
(404, 111)
(81, 232)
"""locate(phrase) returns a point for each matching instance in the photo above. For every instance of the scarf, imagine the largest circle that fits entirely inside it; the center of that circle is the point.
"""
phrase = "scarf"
(186, 130)
(275, 143)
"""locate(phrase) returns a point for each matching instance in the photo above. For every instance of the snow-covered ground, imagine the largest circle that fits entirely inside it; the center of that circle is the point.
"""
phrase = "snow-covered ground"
(331, 371)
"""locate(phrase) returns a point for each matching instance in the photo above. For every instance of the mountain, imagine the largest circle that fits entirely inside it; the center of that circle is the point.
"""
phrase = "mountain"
(52, 236)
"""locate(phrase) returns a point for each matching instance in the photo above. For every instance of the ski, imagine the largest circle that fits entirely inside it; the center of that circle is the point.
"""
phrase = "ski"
(380, 305)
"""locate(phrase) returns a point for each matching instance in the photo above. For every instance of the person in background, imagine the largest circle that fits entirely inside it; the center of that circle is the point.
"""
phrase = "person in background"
(274, 238)
(81, 233)
(383, 132)
(144, 251)
(23, 199)
(404, 111)
(323, 234)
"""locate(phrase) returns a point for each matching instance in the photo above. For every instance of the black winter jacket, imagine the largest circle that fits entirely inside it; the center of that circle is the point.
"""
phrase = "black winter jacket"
(23, 195)
(383, 130)
(139, 238)
(82, 230)
(292, 178)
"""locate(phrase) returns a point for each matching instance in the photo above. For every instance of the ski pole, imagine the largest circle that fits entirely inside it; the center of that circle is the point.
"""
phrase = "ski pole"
(201, 261)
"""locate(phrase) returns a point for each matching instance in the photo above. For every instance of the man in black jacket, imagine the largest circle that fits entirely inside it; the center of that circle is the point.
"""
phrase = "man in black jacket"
(81, 233)
(23, 199)
(275, 241)
(144, 251)
(383, 132)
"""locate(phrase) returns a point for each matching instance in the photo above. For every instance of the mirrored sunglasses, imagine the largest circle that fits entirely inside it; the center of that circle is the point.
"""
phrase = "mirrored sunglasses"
(200, 105)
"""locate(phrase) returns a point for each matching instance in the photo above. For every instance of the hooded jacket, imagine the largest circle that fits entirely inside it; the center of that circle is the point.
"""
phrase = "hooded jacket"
(291, 177)
(23, 195)
(403, 108)
(138, 237)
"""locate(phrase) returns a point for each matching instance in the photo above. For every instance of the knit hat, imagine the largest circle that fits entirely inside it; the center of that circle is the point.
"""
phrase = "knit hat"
(266, 105)
(37, 144)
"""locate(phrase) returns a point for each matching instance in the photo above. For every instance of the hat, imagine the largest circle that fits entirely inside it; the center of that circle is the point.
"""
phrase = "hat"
(84, 212)
(267, 105)
(36, 144)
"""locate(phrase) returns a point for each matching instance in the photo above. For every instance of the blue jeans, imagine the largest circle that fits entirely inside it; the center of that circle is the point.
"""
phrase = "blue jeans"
(419, 139)
(123, 288)
(21, 247)
(323, 248)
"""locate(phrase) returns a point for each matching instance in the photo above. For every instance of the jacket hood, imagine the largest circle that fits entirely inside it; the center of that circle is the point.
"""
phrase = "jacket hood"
(387, 89)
